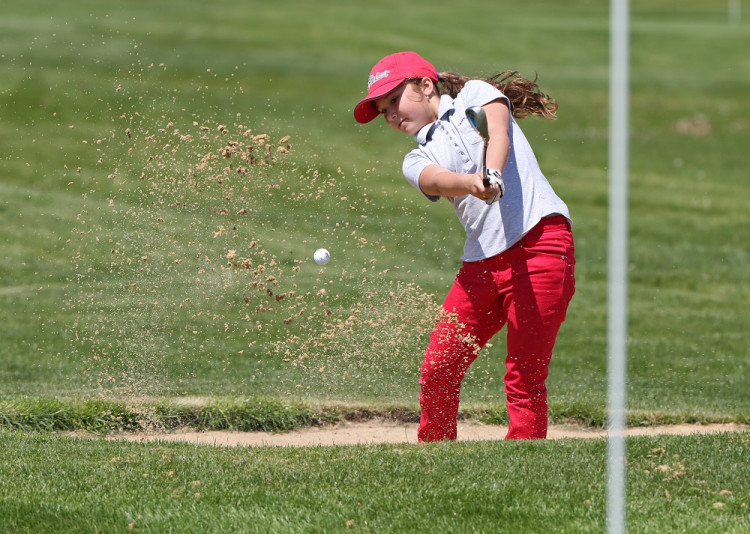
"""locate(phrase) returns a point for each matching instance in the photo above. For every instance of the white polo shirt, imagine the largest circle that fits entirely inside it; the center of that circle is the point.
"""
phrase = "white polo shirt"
(452, 143)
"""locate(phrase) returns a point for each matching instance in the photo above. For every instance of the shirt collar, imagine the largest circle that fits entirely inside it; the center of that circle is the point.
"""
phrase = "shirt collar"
(444, 110)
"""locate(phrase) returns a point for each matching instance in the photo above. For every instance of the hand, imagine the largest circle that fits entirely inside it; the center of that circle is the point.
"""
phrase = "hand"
(494, 187)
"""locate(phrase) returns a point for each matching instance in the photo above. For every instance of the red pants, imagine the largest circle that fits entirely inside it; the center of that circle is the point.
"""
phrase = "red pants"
(528, 287)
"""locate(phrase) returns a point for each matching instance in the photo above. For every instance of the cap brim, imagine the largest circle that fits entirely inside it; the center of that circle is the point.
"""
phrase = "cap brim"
(366, 111)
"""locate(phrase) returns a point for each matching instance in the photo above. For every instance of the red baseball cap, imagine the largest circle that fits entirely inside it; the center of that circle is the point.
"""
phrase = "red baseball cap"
(386, 75)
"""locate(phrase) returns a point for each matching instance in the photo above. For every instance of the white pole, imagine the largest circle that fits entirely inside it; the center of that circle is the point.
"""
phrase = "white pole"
(734, 10)
(618, 264)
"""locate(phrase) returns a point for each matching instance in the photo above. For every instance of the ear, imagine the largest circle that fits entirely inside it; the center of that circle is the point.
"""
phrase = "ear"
(427, 86)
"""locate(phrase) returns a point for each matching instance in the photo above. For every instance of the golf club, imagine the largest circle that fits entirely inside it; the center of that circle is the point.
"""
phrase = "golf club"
(478, 119)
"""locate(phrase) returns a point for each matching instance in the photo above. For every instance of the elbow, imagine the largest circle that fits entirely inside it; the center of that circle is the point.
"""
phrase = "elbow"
(429, 189)
(429, 185)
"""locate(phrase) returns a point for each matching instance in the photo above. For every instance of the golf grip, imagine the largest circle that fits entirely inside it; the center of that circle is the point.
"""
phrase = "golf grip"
(485, 178)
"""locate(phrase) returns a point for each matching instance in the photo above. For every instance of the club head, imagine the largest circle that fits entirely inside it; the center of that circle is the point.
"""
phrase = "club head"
(478, 120)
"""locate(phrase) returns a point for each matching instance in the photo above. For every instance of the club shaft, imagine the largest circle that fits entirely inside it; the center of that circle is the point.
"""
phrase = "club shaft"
(485, 179)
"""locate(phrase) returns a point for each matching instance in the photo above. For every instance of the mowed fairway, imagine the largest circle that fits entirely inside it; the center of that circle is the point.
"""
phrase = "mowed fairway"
(166, 172)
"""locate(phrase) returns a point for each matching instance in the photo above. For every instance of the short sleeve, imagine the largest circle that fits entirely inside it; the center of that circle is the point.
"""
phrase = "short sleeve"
(479, 93)
(414, 163)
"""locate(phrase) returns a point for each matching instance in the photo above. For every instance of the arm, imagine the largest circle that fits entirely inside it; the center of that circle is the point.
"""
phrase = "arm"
(438, 181)
(498, 123)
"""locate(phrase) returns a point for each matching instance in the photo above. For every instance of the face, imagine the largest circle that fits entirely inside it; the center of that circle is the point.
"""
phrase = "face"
(410, 106)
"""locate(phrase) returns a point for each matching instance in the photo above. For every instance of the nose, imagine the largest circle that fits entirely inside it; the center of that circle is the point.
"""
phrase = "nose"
(390, 113)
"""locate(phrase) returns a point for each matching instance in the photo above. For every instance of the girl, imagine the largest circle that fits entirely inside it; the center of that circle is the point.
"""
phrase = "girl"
(518, 258)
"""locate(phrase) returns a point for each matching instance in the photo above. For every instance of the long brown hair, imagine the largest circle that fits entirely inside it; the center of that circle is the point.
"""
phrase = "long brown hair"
(525, 96)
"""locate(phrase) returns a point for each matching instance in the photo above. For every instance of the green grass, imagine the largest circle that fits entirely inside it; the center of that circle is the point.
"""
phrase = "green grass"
(103, 416)
(677, 484)
(115, 284)
(120, 308)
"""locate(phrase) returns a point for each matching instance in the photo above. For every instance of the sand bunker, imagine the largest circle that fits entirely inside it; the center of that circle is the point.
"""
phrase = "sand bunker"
(374, 432)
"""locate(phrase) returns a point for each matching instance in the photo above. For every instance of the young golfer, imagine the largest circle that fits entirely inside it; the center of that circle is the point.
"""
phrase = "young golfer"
(518, 258)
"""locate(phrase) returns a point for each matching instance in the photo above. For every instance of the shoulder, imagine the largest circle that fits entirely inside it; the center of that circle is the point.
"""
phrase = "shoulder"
(414, 163)
(479, 93)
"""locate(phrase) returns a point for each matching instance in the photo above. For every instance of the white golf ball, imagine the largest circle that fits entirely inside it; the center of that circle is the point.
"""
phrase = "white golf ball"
(322, 256)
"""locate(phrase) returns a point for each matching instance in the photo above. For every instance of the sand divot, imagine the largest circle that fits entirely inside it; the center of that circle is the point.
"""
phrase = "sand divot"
(377, 432)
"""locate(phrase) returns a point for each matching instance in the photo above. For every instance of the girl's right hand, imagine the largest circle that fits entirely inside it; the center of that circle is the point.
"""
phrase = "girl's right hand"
(438, 181)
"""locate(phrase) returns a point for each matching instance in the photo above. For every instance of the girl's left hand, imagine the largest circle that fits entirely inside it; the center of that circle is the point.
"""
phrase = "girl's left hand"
(492, 193)
(496, 186)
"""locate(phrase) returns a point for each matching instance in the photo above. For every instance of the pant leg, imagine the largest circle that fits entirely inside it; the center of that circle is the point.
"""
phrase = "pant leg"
(542, 285)
(471, 316)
